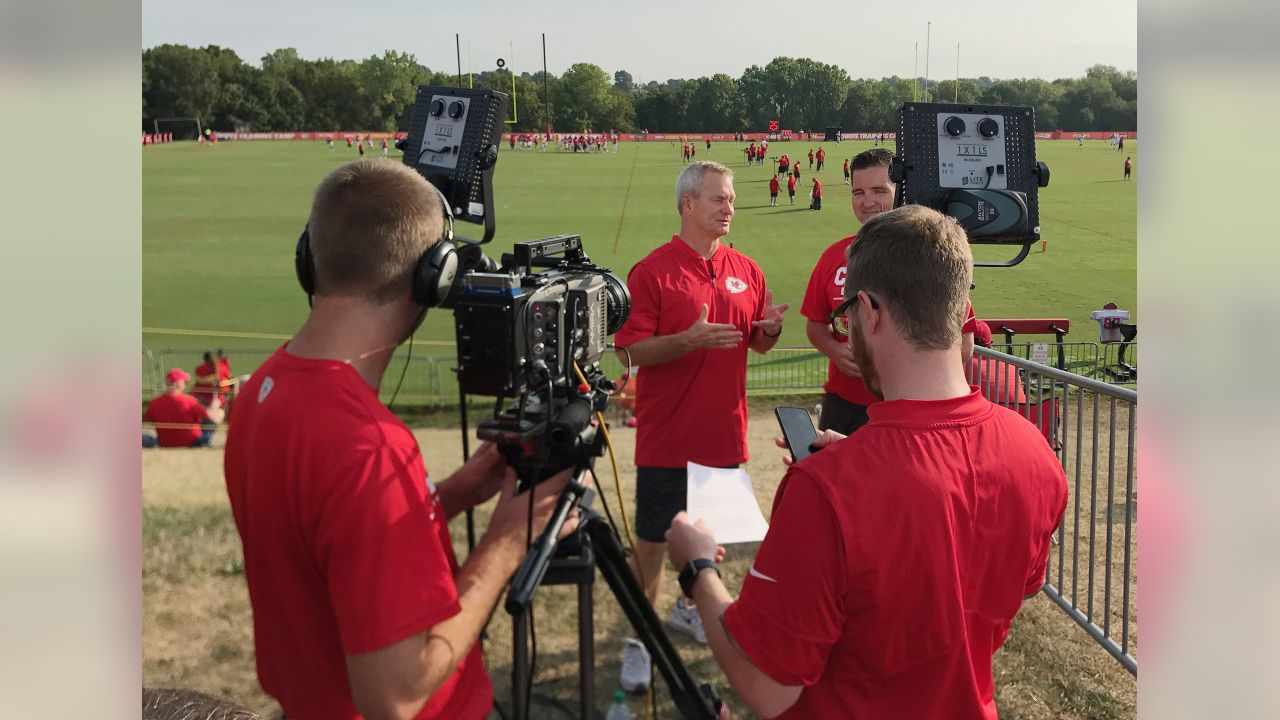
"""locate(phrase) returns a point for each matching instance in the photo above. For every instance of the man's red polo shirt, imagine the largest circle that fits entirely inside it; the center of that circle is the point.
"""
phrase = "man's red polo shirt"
(897, 558)
(346, 547)
(693, 408)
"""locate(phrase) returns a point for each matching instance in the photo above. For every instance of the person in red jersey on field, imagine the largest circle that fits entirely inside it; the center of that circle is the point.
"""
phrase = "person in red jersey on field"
(698, 307)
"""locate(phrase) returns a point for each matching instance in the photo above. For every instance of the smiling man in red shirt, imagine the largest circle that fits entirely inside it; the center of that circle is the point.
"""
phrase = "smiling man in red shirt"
(896, 558)
(697, 307)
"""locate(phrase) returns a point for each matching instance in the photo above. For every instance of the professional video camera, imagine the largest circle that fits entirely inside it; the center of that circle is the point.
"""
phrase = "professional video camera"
(533, 340)
(535, 337)
(521, 332)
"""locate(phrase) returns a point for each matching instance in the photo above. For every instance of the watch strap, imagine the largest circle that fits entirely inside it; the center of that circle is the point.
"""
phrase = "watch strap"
(690, 573)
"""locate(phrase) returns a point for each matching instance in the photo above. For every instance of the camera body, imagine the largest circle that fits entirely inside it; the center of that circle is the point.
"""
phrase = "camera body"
(537, 338)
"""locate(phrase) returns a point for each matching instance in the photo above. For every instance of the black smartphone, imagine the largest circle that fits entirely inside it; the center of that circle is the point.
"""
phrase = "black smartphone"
(798, 430)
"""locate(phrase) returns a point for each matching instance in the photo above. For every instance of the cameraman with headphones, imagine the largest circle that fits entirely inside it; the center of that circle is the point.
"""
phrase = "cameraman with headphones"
(359, 605)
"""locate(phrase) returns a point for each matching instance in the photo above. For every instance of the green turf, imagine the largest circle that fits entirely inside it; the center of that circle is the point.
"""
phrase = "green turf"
(220, 223)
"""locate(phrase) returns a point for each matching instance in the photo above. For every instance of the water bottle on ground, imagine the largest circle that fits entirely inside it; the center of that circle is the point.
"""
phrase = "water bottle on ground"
(619, 710)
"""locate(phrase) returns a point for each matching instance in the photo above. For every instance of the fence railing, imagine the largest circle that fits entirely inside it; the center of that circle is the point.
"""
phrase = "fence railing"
(152, 374)
(1091, 426)
(1077, 357)
(1119, 363)
(783, 369)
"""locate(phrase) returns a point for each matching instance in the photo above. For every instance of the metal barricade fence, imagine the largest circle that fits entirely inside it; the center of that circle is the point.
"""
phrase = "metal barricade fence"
(1091, 426)
(152, 375)
(1080, 358)
(783, 369)
(1119, 363)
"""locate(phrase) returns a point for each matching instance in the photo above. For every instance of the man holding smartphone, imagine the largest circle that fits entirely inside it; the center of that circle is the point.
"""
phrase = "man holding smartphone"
(897, 558)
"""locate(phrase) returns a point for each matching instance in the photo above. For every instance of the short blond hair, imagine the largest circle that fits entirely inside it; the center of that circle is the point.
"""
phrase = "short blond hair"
(371, 220)
(918, 263)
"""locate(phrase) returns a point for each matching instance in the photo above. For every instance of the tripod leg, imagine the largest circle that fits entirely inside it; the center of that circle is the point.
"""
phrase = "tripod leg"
(691, 701)
(586, 652)
(520, 666)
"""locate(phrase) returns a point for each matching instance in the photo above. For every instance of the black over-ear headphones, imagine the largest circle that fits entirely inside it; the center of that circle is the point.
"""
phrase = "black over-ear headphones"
(433, 275)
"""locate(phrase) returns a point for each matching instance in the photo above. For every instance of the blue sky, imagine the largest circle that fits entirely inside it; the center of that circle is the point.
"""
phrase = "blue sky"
(661, 39)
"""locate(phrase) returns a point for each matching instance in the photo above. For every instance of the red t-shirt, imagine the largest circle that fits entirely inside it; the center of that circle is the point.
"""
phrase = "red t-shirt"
(346, 547)
(206, 380)
(896, 560)
(824, 294)
(693, 408)
(791, 182)
(177, 409)
(822, 154)
(817, 188)
(773, 185)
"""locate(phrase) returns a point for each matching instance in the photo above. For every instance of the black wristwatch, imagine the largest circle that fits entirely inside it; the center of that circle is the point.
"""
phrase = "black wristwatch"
(690, 573)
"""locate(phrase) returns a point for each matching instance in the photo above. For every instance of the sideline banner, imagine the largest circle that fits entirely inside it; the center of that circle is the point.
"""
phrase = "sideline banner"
(783, 135)
(314, 135)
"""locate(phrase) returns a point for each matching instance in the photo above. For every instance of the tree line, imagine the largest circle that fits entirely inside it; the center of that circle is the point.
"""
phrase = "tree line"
(289, 93)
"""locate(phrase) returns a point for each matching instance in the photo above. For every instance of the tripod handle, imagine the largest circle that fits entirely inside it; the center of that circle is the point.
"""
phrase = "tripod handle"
(534, 568)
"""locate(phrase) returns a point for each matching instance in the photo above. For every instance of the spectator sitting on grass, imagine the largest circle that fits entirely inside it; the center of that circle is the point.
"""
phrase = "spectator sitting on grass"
(179, 419)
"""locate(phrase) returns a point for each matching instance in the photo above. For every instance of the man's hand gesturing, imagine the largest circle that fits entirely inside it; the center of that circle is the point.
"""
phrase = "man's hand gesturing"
(703, 335)
(771, 322)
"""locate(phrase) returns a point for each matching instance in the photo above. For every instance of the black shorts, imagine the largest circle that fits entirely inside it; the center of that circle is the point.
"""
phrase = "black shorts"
(841, 415)
(661, 493)
(773, 194)
(792, 193)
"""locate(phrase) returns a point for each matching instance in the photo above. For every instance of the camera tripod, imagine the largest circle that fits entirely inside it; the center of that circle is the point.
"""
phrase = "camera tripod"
(574, 560)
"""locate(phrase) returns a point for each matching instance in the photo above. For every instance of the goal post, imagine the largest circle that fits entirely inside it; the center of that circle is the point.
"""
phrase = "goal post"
(183, 128)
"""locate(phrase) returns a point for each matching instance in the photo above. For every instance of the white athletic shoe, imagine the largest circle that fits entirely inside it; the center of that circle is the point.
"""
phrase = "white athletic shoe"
(685, 619)
(636, 675)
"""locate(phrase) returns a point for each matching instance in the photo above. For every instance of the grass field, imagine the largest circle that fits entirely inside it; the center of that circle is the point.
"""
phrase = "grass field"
(220, 224)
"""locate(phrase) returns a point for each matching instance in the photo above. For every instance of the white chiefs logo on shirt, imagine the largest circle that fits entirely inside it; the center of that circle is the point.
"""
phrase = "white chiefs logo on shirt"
(734, 285)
